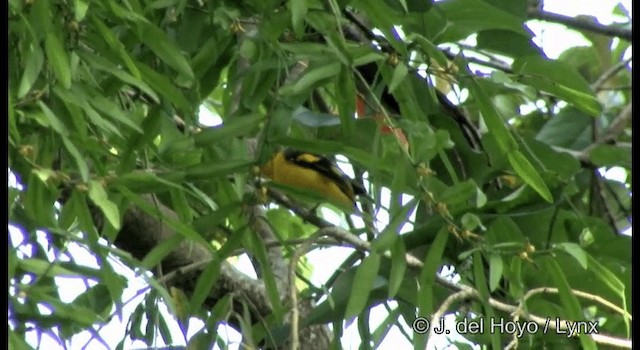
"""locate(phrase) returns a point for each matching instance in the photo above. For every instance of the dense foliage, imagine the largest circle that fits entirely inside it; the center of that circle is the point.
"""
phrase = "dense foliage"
(478, 151)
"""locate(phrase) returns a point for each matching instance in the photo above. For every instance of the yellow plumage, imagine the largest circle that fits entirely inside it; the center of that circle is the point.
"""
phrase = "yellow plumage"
(314, 173)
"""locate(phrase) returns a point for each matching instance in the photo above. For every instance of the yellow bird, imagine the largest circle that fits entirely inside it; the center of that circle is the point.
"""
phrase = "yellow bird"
(314, 173)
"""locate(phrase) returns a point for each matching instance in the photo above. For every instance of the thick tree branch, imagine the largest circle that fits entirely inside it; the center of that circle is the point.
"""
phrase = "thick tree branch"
(580, 23)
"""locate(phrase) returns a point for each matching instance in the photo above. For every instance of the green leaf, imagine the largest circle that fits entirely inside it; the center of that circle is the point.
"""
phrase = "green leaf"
(574, 250)
(32, 68)
(170, 221)
(398, 267)
(490, 115)
(58, 59)
(80, 8)
(164, 87)
(298, 12)
(572, 309)
(430, 268)
(605, 275)
(160, 251)
(429, 48)
(51, 269)
(102, 64)
(529, 174)
(208, 171)
(480, 280)
(311, 78)
(362, 284)
(111, 109)
(52, 120)
(604, 155)
(203, 287)
(399, 74)
(495, 271)
(100, 198)
(166, 50)
(116, 45)
(583, 101)
(235, 127)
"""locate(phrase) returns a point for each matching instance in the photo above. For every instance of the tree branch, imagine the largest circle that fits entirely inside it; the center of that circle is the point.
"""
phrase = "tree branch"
(580, 24)
(467, 291)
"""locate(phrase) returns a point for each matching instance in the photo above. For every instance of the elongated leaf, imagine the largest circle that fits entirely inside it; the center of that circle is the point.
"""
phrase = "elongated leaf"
(529, 174)
(160, 251)
(399, 73)
(311, 78)
(492, 118)
(483, 289)
(117, 46)
(100, 198)
(575, 251)
(299, 9)
(362, 285)
(203, 287)
(398, 267)
(168, 52)
(239, 126)
(40, 267)
(495, 271)
(171, 222)
(33, 66)
(572, 309)
(429, 270)
(58, 59)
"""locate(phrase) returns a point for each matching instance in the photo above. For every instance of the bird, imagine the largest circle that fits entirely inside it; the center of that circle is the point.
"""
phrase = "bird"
(314, 173)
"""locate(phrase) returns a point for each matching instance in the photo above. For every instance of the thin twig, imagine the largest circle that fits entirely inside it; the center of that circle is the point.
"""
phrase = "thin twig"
(582, 24)
(596, 86)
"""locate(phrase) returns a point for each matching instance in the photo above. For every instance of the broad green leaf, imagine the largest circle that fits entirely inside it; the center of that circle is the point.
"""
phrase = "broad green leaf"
(58, 59)
(605, 275)
(570, 128)
(117, 46)
(529, 174)
(604, 155)
(99, 196)
(575, 251)
(362, 284)
(80, 8)
(457, 19)
(32, 68)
